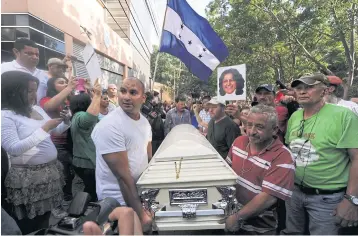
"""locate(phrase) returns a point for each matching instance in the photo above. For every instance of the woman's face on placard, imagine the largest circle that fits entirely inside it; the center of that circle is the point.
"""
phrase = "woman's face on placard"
(229, 84)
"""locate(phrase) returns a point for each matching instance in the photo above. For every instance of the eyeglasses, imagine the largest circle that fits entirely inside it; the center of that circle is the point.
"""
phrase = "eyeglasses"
(105, 99)
(301, 128)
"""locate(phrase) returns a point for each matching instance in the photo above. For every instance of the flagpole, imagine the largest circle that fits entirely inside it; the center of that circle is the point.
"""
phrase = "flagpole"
(161, 36)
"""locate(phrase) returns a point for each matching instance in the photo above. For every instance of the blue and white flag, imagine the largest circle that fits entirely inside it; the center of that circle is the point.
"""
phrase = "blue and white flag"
(190, 37)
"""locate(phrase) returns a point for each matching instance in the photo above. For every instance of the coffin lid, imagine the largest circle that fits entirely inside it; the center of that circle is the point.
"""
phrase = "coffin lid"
(200, 164)
(185, 141)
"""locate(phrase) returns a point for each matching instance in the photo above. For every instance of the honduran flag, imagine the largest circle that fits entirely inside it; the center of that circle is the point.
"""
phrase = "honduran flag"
(189, 37)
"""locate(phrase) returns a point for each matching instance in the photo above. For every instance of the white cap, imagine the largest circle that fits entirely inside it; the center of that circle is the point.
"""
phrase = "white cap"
(216, 101)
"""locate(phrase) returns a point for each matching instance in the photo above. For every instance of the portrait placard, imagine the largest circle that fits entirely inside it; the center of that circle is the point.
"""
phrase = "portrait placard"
(231, 83)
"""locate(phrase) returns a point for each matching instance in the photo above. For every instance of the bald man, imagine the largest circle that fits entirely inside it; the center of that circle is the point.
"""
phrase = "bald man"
(123, 149)
(113, 94)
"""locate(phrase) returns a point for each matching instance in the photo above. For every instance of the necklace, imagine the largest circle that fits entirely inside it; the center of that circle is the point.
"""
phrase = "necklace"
(177, 170)
(243, 170)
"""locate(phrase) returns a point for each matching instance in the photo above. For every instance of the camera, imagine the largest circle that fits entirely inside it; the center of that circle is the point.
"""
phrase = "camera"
(80, 211)
(280, 84)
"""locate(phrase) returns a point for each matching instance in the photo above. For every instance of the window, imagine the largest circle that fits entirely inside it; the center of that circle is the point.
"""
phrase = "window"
(54, 32)
(7, 34)
(54, 44)
(35, 23)
(22, 20)
(6, 52)
(22, 33)
(37, 37)
(42, 61)
(7, 20)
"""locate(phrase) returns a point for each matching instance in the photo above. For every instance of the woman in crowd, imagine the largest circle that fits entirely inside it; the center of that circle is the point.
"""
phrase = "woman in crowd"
(106, 106)
(57, 100)
(85, 117)
(33, 183)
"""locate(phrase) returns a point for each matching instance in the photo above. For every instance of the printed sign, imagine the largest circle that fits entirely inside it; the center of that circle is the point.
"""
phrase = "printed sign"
(92, 63)
(231, 82)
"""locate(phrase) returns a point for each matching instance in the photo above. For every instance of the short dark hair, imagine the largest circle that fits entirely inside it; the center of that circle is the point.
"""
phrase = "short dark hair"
(140, 82)
(339, 91)
(20, 43)
(240, 82)
(179, 99)
(14, 91)
(80, 102)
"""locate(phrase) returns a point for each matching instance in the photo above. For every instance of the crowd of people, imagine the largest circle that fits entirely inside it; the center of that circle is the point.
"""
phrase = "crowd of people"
(294, 150)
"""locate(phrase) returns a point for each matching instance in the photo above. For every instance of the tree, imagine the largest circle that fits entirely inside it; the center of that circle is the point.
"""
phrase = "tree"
(279, 39)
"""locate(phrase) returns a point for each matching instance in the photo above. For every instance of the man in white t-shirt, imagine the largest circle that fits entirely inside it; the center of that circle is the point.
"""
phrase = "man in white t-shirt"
(27, 58)
(123, 149)
(335, 94)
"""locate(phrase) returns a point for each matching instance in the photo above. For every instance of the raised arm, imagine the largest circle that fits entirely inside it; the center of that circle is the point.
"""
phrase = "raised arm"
(56, 101)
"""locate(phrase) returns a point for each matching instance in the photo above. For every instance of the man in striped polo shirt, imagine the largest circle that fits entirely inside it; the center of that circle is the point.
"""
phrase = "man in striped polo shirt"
(265, 170)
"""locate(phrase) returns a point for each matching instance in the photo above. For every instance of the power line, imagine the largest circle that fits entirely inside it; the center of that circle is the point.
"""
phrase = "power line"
(135, 13)
(133, 27)
(155, 26)
(126, 35)
(150, 13)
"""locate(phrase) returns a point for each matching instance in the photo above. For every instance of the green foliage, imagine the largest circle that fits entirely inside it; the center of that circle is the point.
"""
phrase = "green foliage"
(276, 39)
(283, 39)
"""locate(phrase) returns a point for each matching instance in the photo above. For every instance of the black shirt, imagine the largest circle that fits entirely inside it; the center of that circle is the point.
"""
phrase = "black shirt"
(222, 135)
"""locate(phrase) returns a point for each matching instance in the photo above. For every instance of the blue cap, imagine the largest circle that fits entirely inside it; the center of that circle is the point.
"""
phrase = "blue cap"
(268, 87)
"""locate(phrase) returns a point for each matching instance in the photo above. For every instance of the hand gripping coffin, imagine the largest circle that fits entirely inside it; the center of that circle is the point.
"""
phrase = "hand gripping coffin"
(188, 185)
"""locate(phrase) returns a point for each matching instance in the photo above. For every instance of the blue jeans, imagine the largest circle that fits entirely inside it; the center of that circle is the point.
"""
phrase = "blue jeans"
(314, 209)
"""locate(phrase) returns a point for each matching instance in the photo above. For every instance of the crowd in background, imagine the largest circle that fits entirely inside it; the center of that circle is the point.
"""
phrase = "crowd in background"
(292, 148)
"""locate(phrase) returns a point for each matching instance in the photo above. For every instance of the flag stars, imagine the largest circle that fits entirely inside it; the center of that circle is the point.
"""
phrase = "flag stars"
(190, 42)
(179, 36)
(182, 26)
(200, 56)
(204, 49)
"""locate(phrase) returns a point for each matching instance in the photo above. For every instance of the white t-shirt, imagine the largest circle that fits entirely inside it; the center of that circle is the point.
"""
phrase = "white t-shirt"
(117, 132)
(40, 74)
(350, 105)
(25, 141)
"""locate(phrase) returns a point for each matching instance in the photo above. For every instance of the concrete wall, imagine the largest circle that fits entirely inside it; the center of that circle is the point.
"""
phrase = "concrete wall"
(68, 16)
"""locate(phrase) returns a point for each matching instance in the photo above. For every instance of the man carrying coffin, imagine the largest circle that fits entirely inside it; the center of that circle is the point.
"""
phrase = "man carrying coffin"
(265, 170)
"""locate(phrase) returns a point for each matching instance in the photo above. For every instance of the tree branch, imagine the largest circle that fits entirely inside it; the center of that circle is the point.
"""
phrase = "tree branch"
(290, 34)
(342, 37)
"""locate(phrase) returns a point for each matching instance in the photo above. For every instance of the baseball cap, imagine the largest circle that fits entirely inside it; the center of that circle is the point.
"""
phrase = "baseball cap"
(216, 101)
(56, 61)
(334, 80)
(267, 87)
(310, 80)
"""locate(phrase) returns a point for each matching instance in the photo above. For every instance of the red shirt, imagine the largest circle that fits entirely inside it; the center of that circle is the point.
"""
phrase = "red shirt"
(56, 139)
(272, 172)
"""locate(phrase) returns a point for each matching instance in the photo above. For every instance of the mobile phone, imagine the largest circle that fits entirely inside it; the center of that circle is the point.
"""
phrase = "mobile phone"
(81, 85)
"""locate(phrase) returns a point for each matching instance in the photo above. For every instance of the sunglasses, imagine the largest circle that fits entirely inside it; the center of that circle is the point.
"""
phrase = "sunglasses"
(301, 128)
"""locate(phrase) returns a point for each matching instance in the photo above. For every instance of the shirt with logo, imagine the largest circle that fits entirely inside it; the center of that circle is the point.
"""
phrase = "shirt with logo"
(319, 145)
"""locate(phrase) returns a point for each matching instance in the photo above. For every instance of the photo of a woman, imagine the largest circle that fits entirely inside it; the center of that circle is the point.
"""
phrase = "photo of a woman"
(231, 83)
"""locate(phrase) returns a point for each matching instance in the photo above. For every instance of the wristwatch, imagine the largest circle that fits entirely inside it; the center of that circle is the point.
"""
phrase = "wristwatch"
(352, 199)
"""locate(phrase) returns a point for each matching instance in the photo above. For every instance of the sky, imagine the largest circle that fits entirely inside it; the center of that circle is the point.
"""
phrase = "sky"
(160, 5)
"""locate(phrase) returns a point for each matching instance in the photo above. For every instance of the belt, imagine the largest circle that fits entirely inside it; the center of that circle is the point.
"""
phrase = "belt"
(316, 191)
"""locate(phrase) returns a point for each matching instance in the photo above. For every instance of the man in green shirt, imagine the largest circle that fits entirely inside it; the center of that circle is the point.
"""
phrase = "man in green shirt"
(323, 140)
